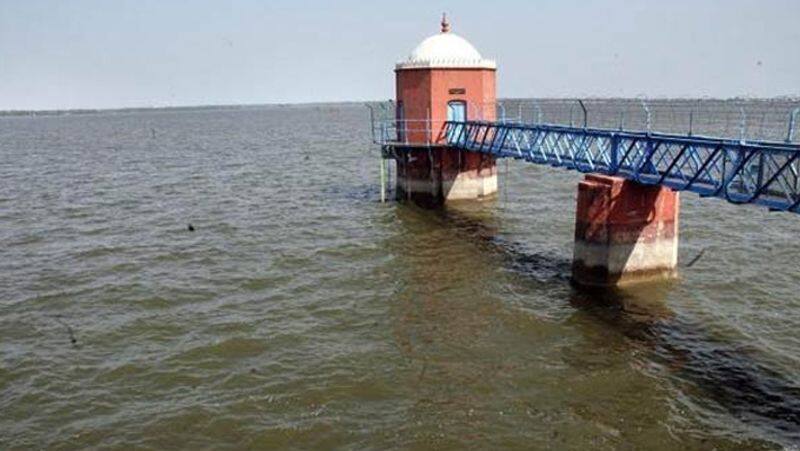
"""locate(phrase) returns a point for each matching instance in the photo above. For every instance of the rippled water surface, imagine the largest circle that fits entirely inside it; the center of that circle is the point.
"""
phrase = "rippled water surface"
(303, 313)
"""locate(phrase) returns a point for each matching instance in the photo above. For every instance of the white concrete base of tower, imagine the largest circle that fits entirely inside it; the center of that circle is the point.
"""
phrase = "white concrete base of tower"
(471, 185)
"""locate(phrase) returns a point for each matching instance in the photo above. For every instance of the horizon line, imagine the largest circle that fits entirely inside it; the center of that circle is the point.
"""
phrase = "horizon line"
(122, 109)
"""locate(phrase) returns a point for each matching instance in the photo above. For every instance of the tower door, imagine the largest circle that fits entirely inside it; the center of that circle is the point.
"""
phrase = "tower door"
(456, 112)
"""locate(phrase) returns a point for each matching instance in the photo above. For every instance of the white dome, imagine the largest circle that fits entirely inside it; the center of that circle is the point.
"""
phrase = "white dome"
(446, 50)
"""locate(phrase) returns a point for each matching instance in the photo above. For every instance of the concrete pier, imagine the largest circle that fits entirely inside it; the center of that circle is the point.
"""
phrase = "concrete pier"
(625, 232)
(433, 176)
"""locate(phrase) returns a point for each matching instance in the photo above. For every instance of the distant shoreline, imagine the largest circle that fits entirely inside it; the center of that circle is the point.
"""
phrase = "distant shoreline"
(86, 111)
(83, 111)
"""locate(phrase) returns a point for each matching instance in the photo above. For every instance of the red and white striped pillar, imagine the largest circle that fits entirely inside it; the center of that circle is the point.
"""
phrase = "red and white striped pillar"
(624, 232)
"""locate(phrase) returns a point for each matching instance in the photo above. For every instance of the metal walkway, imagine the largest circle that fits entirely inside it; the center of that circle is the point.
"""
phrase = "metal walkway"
(742, 172)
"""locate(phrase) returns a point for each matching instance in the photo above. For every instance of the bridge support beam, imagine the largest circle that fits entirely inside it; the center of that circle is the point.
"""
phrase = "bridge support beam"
(625, 232)
(433, 176)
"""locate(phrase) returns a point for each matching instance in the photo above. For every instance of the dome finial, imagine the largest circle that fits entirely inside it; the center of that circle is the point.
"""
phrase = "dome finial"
(445, 24)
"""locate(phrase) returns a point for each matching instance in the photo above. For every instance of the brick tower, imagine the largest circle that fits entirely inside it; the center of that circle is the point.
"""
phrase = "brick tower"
(444, 78)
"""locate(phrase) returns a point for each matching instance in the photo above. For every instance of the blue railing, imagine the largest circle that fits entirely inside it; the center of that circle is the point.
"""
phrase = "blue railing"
(742, 172)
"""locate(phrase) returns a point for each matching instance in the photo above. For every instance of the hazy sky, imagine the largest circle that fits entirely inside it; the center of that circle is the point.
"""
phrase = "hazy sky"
(100, 54)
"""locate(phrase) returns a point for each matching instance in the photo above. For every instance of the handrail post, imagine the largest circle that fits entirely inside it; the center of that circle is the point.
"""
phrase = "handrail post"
(647, 113)
(371, 122)
(571, 121)
(792, 118)
(538, 112)
(742, 123)
(585, 113)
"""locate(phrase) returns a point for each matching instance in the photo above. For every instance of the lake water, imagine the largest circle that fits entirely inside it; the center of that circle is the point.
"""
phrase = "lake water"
(303, 313)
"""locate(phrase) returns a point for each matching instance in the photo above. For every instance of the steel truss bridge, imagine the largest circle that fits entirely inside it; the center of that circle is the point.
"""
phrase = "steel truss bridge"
(742, 172)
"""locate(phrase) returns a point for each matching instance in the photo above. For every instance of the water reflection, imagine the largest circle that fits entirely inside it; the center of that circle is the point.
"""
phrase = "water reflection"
(723, 373)
(442, 267)
(450, 256)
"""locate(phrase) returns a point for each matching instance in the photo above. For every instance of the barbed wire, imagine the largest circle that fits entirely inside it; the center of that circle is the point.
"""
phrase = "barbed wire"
(740, 119)
(747, 119)
(750, 120)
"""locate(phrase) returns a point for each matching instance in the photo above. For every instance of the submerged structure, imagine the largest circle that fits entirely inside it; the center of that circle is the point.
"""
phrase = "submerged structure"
(445, 137)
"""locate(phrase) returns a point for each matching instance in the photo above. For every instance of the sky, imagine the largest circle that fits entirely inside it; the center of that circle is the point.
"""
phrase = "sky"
(58, 54)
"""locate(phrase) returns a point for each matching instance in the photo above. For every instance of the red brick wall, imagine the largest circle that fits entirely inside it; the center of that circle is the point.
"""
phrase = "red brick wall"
(413, 90)
(612, 210)
(426, 92)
